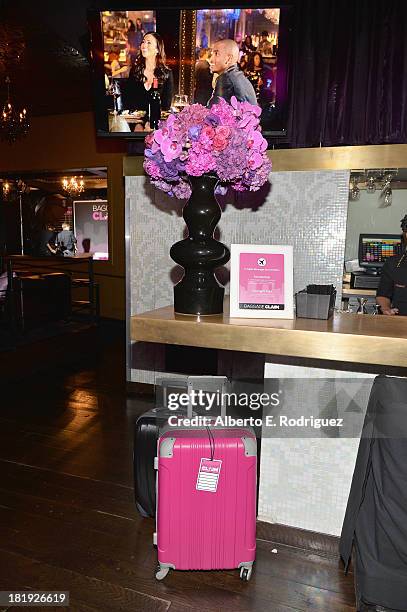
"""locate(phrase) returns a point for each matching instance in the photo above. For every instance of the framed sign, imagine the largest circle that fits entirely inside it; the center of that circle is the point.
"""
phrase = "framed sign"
(261, 281)
(91, 227)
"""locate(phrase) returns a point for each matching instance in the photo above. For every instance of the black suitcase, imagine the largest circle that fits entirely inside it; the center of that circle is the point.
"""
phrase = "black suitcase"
(145, 445)
(145, 449)
(147, 430)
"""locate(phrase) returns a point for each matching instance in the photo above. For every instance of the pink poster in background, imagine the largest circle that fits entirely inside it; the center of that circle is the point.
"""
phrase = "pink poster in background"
(261, 281)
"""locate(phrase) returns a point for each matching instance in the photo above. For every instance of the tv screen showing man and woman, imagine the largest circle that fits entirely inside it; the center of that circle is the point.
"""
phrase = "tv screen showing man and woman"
(180, 55)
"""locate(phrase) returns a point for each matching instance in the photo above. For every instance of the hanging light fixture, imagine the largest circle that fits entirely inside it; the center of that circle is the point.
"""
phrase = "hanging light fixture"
(371, 183)
(73, 186)
(386, 195)
(14, 123)
(354, 191)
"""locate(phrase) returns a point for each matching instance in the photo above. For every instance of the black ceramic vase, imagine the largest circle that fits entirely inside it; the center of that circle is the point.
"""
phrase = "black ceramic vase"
(198, 292)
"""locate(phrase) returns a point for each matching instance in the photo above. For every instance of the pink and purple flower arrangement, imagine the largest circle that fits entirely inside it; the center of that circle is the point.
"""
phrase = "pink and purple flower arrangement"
(224, 141)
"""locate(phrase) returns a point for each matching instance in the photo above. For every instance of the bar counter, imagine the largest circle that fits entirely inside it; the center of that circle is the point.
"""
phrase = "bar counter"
(349, 338)
(304, 481)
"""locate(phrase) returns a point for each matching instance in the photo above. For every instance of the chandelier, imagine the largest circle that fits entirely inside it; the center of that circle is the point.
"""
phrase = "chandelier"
(73, 187)
(14, 123)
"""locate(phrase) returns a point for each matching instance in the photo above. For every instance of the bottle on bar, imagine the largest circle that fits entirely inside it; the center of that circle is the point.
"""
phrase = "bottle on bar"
(155, 105)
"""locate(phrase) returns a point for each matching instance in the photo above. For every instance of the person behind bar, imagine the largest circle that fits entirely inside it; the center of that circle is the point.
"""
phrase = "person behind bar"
(231, 81)
(150, 64)
(391, 294)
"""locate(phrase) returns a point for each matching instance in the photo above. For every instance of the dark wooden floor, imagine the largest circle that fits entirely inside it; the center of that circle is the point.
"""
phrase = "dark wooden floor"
(68, 521)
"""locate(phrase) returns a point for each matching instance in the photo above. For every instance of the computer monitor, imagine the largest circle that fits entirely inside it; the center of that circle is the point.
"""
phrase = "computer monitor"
(375, 249)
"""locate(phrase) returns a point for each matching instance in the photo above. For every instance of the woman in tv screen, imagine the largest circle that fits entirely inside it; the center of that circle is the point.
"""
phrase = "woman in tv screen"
(149, 64)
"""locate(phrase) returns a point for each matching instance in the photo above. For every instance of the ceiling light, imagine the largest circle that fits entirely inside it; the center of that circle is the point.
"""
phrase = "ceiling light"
(73, 186)
(6, 187)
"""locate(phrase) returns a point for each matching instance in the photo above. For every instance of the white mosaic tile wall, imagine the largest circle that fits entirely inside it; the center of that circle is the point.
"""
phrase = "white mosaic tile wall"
(305, 482)
(305, 209)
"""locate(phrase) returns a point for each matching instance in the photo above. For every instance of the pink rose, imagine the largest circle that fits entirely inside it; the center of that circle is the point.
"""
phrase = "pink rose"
(219, 143)
(207, 132)
(223, 131)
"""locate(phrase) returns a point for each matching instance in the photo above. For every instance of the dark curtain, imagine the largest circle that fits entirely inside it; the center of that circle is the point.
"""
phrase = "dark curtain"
(349, 80)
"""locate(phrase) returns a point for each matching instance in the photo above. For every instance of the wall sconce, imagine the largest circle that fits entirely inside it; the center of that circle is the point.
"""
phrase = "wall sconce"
(5, 188)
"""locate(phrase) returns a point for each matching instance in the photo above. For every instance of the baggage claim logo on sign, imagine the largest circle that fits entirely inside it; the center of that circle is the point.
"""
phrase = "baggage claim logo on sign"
(99, 212)
(208, 475)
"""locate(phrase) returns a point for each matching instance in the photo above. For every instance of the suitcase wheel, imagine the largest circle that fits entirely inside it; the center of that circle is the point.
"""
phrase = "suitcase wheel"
(161, 572)
(245, 573)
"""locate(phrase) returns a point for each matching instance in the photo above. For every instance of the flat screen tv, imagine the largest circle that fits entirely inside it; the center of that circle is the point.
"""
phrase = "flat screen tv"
(262, 33)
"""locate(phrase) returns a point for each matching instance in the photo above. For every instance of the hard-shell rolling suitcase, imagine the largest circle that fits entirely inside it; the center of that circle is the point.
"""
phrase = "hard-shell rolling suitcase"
(145, 449)
(206, 502)
(145, 446)
(147, 430)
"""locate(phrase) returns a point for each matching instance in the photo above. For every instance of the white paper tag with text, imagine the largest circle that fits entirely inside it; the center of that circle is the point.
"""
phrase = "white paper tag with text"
(208, 475)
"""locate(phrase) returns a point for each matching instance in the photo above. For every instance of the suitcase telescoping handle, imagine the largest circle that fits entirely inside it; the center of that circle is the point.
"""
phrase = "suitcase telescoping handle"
(216, 386)
(169, 385)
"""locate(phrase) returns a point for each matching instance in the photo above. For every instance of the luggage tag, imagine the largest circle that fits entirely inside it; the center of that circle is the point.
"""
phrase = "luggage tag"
(208, 475)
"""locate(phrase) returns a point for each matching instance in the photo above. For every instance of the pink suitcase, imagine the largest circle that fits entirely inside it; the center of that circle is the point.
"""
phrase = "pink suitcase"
(206, 500)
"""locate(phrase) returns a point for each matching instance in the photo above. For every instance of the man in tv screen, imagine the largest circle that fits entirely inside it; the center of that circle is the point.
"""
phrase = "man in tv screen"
(231, 81)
